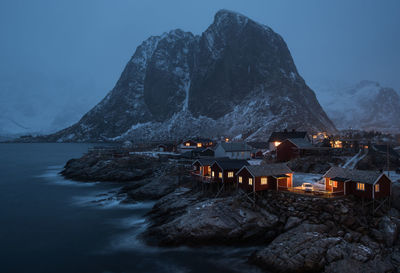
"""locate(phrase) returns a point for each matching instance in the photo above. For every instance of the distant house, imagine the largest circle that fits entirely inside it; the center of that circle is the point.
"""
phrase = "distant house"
(262, 177)
(364, 184)
(298, 147)
(190, 144)
(166, 147)
(224, 170)
(277, 138)
(233, 150)
(198, 153)
(258, 148)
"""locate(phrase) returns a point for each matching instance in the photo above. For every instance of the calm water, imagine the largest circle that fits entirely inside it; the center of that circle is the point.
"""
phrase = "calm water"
(49, 224)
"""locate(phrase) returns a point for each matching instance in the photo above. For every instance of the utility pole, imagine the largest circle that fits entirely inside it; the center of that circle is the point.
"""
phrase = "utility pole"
(387, 159)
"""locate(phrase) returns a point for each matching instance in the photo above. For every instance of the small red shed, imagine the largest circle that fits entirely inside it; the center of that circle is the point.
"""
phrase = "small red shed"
(364, 184)
(224, 170)
(254, 178)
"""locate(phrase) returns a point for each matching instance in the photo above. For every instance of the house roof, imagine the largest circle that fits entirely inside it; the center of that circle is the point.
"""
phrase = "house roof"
(342, 174)
(231, 164)
(208, 161)
(202, 140)
(269, 169)
(301, 143)
(235, 146)
(259, 145)
(281, 136)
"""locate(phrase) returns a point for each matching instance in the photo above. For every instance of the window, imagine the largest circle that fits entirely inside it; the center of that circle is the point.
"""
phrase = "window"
(250, 181)
(377, 188)
(199, 145)
(263, 181)
(242, 153)
(361, 186)
(213, 174)
(240, 179)
(335, 184)
(230, 174)
(187, 144)
(330, 183)
(220, 174)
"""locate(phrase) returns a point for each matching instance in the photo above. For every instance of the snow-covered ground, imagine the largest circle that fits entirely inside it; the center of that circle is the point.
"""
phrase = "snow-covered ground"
(395, 177)
(313, 178)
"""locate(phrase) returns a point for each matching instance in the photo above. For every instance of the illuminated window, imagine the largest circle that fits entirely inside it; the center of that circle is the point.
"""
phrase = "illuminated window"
(361, 186)
(187, 144)
(330, 183)
(199, 145)
(335, 184)
(377, 188)
(220, 175)
(263, 181)
(213, 174)
(230, 174)
(240, 179)
(276, 143)
(250, 181)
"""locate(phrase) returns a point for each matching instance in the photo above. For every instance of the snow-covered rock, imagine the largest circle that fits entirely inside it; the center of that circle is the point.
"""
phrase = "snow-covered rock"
(366, 106)
(237, 78)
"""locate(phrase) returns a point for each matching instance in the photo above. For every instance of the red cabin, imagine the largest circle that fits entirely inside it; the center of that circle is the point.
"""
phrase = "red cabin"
(265, 177)
(364, 184)
(297, 147)
(224, 170)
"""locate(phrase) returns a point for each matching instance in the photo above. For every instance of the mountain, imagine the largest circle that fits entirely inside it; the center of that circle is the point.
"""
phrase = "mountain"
(366, 106)
(237, 78)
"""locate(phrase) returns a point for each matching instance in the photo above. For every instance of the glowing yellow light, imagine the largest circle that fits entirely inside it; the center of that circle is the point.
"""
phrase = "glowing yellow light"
(226, 139)
(187, 144)
(199, 144)
(276, 143)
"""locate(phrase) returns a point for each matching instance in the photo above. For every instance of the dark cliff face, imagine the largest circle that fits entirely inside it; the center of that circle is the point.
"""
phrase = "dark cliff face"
(237, 77)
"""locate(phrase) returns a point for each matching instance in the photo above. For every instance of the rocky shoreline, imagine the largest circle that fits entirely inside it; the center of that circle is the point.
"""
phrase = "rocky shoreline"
(293, 233)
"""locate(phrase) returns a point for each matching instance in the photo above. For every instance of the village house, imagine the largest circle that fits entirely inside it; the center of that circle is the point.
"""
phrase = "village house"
(262, 177)
(292, 148)
(202, 167)
(224, 170)
(166, 147)
(364, 184)
(277, 138)
(198, 153)
(233, 150)
(194, 143)
(258, 149)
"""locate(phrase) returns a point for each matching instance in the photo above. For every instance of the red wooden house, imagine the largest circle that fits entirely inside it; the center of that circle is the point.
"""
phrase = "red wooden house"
(292, 148)
(364, 184)
(254, 178)
(224, 170)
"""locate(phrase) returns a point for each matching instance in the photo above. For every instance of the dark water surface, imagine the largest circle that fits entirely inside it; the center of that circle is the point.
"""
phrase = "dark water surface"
(49, 224)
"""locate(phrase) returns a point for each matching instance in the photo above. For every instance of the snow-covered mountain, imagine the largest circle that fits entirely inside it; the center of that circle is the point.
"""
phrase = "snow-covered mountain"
(237, 77)
(366, 105)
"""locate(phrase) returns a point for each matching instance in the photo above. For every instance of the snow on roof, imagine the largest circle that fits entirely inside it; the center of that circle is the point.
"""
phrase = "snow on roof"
(342, 174)
(269, 169)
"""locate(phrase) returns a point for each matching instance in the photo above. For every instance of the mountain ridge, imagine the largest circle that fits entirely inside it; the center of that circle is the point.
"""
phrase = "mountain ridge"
(236, 78)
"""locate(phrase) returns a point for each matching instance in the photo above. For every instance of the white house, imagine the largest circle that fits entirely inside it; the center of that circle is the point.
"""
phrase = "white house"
(233, 150)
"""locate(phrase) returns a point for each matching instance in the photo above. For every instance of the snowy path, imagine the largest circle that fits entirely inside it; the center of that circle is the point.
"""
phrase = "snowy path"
(351, 164)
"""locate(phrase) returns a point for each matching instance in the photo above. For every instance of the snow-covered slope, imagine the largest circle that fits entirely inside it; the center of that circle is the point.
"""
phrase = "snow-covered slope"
(366, 106)
(237, 77)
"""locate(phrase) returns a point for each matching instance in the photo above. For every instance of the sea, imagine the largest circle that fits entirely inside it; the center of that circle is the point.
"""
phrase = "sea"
(50, 224)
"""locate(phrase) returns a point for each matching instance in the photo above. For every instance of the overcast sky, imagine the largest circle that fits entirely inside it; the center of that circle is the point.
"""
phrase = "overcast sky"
(59, 58)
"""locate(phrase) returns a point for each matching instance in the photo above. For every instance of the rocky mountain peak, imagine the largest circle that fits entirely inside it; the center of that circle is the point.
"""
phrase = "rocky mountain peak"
(237, 78)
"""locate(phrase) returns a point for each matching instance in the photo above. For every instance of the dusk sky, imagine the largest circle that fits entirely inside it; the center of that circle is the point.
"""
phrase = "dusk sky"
(59, 58)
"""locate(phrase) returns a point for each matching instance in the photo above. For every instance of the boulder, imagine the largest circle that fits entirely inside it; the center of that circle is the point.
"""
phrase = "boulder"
(389, 231)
